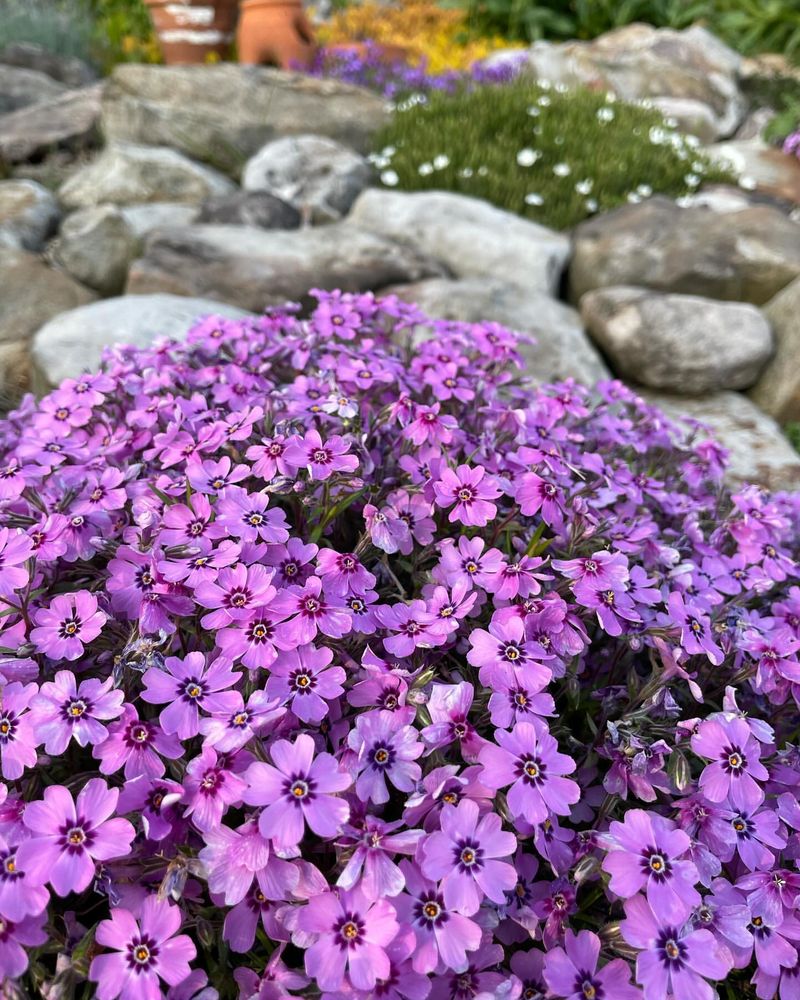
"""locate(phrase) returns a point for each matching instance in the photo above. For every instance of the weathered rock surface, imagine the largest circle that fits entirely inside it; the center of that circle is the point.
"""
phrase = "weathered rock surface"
(745, 256)
(143, 219)
(95, 246)
(15, 370)
(759, 452)
(772, 170)
(693, 117)
(250, 208)
(471, 237)
(68, 121)
(70, 71)
(778, 390)
(318, 176)
(224, 114)
(562, 349)
(679, 343)
(253, 268)
(125, 174)
(32, 293)
(29, 214)
(20, 87)
(640, 61)
(74, 341)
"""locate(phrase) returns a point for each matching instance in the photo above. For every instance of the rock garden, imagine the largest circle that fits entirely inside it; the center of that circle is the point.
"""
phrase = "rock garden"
(399, 512)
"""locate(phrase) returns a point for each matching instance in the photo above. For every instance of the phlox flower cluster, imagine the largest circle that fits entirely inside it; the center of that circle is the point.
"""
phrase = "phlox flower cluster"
(338, 660)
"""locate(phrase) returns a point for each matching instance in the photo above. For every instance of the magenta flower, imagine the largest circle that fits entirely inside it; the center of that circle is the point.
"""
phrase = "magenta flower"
(188, 685)
(386, 748)
(304, 680)
(448, 707)
(15, 550)
(145, 952)
(647, 852)
(535, 494)
(471, 491)
(672, 962)
(321, 458)
(155, 799)
(735, 768)
(15, 937)
(599, 571)
(370, 867)
(211, 786)
(464, 856)
(695, 626)
(245, 516)
(232, 728)
(343, 573)
(238, 592)
(308, 612)
(571, 972)
(297, 788)
(531, 764)
(18, 736)
(63, 711)
(412, 627)
(429, 425)
(352, 936)
(67, 624)
(68, 837)
(19, 897)
(137, 744)
(505, 647)
(468, 562)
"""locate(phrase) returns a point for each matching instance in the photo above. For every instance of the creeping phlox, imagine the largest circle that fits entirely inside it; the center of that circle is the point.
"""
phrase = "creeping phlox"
(339, 660)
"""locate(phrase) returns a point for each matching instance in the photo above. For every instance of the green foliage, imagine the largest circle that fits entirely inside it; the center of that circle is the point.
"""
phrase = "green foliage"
(793, 433)
(589, 155)
(782, 93)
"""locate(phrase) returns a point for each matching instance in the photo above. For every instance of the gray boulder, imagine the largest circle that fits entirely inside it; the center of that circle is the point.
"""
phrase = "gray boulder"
(15, 373)
(562, 349)
(20, 87)
(318, 176)
(472, 238)
(745, 256)
(224, 114)
(70, 71)
(254, 268)
(680, 343)
(143, 219)
(768, 168)
(32, 294)
(778, 390)
(69, 121)
(250, 208)
(759, 452)
(125, 174)
(74, 341)
(95, 246)
(29, 214)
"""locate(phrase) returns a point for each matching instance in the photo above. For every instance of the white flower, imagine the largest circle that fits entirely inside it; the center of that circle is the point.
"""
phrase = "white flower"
(634, 198)
(380, 162)
(671, 122)
(390, 178)
(562, 88)
(684, 201)
(543, 84)
(699, 167)
(562, 170)
(691, 180)
(544, 101)
(610, 97)
(559, 140)
(605, 115)
(527, 157)
(424, 169)
(584, 187)
(534, 112)
(748, 183)
(591, 205)
(692, 141)
(483, 171)
(441, 161)
(644, 190)
(658, 136)
(388, 151)
(465, 172)
(534, 199)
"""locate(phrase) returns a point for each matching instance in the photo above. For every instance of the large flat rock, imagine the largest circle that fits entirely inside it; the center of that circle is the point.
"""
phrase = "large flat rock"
(778, 390)
(32, 293)
(74, 341)
(562, 349)
(20, 87)
(471, 237)
(745, 256)
(224, 114)
(68, 121)
(29, 214)
(253, 268)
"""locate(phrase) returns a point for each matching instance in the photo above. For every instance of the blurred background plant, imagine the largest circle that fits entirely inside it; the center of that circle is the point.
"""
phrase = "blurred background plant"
(102, 32)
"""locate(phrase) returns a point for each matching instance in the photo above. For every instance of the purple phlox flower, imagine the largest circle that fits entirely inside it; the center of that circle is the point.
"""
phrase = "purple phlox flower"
(449, 706)
(469, 491)
(16, 938)
(234, 858)
(479, 981)
(571, 972)
(211, 478)
(308, 612)
(293, 562)
(444, 786)
(599, 571)
(19, 896)
(258, 906)
(67, 624)
(16, 549)
(464, 853)
(252, 641)
(442, 936)
(18, 735)
(239, 591)
(145, 951)
(776, 655)
(554, 843)
(155, 799)
(772, 893)
(371, 867)
(529, 761)
(505, 646)
(646, 852)
(553, 902)
(517, 697)
(521, 921)
(518, 579)
(535, 494)
(637, 766)
(613, 606)
(321, 458)
(386, 748)
(429, 426)
(467, 562)
(270, 458)
(232, 728)
(387, 529)
(352, 935)
(245, 515)
(416, 513)
(64, 711)
(275, 982)
(447, 383)
(343, 573)
(103, 491)
(725, 913)
(412, 627)
(211, 785)
(775, 940)
(449, 607)
(695, 627)
(750, 835)
(297, 788)
(672, 961)
(304, 680)
(138, 744)
(192, 526)
(735, 768)
(189, 685)
(528, 966)
(68, 837)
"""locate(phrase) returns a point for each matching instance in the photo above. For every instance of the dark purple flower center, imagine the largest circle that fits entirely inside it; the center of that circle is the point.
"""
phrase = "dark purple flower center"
(468, 855)
(759, 929)
(587, 986)
(429, 910)
(191, 690)
(382, 756)
(240, 721)
(532, 770)
(299, 788)
(310, 607)
(141, 953)
(213, 779)
(470, 566)
(466, 494)
(356, 605)
(259, 632)
(290, 569)
(743, 827)
(512, 652)
(670, 950)
(138, 735)
(8, 867)
(238, 598)
(254, 518)
(321, 456)
(302, 681)
(655, 864)
(8, 727)
(74, 837)
(70, 628)
(733, 760)
(74, 709)
(349, 931)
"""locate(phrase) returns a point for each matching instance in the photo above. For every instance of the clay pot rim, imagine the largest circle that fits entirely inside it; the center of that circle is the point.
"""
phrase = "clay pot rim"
(256, 4)
(191, 3)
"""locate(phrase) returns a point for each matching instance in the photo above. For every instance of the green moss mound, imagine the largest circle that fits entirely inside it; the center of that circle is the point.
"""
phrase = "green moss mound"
(552, 156)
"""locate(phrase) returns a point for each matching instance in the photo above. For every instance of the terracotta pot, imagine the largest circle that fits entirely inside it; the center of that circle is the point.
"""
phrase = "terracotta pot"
(275, 33)
(191, 31)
